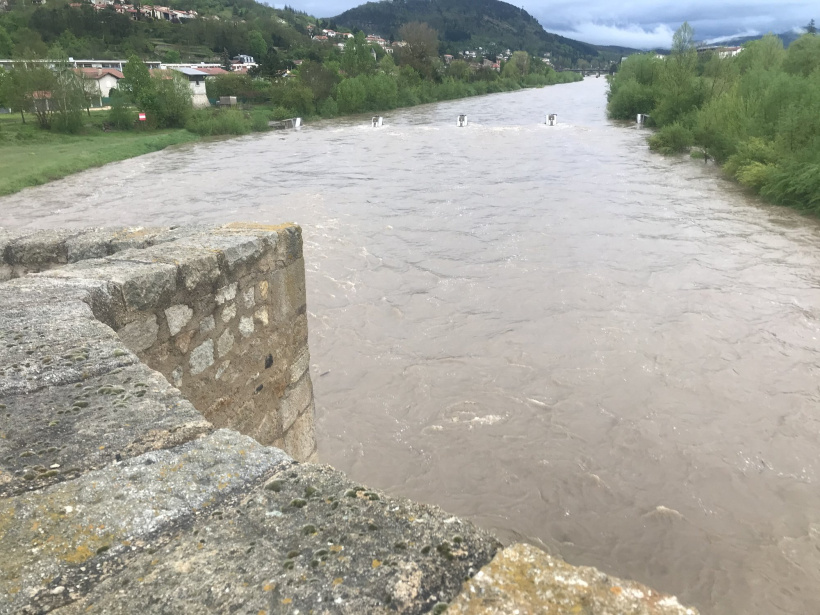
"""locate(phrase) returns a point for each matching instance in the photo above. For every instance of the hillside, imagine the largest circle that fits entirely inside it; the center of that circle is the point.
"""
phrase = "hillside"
(81, 30)
(470, 24)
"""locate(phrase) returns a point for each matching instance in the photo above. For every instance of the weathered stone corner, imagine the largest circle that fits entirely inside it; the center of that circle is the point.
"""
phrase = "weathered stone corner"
(155, 403)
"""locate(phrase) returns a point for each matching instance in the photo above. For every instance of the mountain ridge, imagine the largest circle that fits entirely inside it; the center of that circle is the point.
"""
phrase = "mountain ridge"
(493, 25)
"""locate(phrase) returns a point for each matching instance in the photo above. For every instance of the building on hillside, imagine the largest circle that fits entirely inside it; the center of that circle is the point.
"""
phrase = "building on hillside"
(720, 50)
(105, 79)
(196, 81)
(447, 58)
(377, 40)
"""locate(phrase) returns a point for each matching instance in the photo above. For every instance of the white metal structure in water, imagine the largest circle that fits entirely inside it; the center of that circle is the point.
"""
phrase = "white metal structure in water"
(294, 123)
(378, 122)
(552, 119)
(462, 121)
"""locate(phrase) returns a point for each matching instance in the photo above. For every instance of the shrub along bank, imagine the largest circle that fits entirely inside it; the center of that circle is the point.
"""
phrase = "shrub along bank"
(757, 114)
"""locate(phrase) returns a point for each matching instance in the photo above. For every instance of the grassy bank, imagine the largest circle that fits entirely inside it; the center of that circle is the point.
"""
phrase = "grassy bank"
(30, 156)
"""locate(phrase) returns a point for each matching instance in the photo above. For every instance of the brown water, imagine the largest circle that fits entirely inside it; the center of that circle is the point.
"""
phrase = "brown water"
(551, 331)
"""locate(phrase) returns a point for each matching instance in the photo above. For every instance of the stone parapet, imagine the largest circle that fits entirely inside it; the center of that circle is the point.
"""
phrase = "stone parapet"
(143, 375)
(219, 312)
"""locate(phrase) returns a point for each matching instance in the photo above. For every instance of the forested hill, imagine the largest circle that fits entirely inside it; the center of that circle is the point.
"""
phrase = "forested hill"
(470, 24)
(83, 31)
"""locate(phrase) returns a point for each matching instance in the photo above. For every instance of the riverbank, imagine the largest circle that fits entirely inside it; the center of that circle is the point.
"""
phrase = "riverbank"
(30, 156)
(755, 114)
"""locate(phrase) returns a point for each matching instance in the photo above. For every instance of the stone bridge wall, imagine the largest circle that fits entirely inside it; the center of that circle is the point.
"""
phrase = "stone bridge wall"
(219, 312)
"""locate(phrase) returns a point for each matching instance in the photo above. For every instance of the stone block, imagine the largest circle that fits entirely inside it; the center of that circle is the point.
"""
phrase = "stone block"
(524, 579)
(178, 316)
(224, 343)
(308, 541)
(49, 337)
(108, 514)
(38, 250)
(288, 291)
(202, 357)
(246, 326)
(296, 399)
(91, 243)
(261, 316)
(249, 298)
(229, 312)
(60, 432)
(140, 334)
(226, 293)
(300, 365)
(207, 325)
(300, 439)
(144, 286)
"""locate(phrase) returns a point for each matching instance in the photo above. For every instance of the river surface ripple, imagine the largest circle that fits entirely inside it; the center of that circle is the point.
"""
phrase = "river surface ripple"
(548, 330)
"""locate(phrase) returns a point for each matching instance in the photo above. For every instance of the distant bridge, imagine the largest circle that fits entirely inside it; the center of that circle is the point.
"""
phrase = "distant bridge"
(598, 72)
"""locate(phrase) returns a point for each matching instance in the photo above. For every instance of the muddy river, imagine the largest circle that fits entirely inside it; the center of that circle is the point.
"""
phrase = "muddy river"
(548, 330)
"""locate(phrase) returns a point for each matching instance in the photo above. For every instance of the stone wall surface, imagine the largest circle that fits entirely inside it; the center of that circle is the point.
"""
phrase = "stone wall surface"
(219, 312)
(130, 361)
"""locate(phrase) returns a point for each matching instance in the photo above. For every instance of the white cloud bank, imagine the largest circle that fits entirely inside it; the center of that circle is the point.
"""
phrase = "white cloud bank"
(624, 36)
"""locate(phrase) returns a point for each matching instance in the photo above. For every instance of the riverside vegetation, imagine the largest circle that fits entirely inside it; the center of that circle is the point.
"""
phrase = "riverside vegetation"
(757, 113)
(360, 78)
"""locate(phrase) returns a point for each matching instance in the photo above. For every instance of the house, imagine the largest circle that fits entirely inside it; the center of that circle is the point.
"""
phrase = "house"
(320, 38)
(329, 33)
(447, 58)
(105, 78)
(377, 40)
(196, 81)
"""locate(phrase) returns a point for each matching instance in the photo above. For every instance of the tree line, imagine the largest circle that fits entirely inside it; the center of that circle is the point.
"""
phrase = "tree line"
(364, 78)
(757, 113)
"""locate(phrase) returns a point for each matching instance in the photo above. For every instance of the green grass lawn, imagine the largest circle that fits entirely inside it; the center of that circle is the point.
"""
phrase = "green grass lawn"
(30, 156)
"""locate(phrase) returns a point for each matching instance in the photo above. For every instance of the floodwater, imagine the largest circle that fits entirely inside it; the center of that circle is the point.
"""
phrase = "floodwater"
(548, 330)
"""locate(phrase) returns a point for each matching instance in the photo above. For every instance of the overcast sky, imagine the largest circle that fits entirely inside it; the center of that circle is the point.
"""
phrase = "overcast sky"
(638, 23)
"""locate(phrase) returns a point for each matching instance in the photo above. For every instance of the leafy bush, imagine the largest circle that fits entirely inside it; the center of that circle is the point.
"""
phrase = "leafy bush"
(219, 122)
(121, 116)
(630, 99)
(672, 139)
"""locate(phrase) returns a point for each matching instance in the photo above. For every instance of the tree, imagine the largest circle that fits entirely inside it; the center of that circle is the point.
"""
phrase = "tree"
(138, 86)
(811, 28)
(683, 45)
(6, 44)
(225, 60)
(173, 96)
(257, 45)
(518, 65)
(357, 59)
(421, 48)
(172, 57)
(318, 78)
(803, 56)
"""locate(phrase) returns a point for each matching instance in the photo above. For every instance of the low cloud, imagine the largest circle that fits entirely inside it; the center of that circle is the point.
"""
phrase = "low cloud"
(634, 36)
